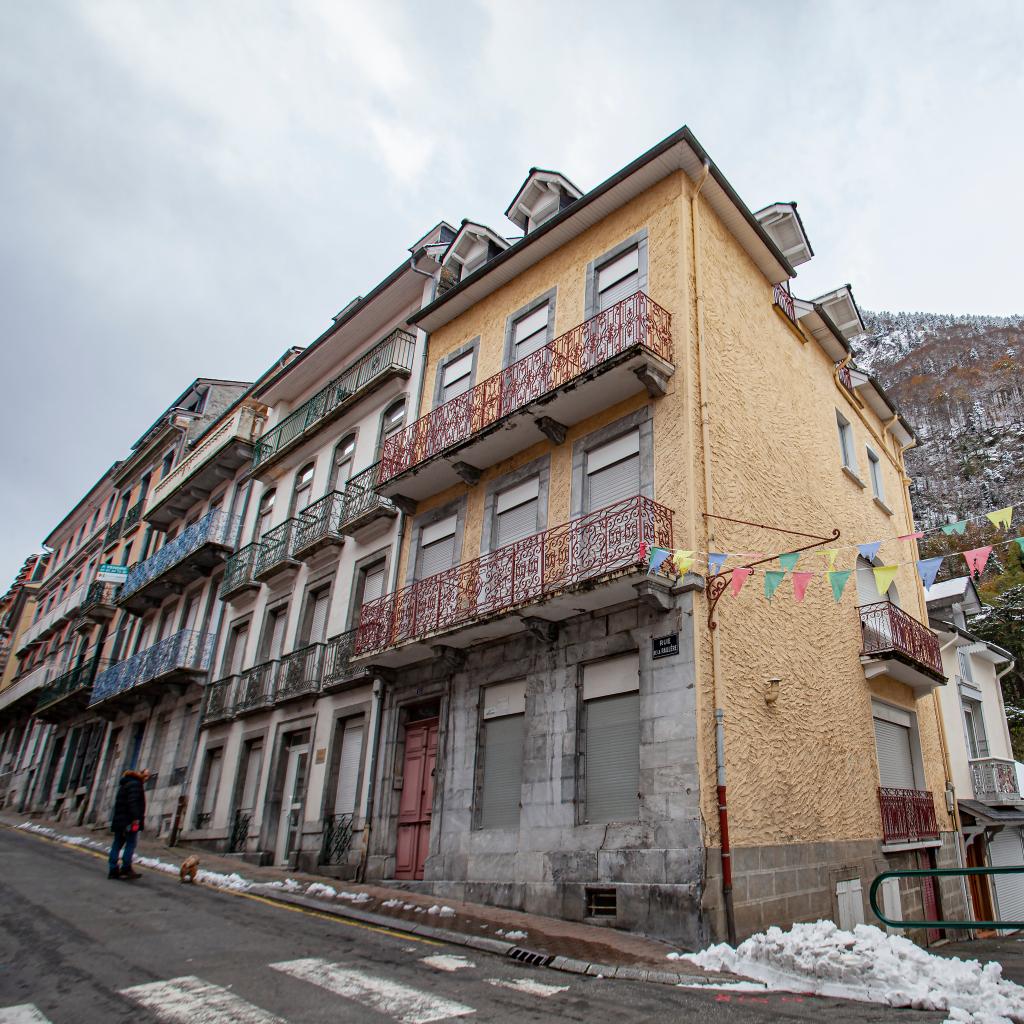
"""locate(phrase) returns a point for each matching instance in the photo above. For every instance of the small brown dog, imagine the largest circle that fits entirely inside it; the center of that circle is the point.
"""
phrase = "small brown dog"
(189, 867)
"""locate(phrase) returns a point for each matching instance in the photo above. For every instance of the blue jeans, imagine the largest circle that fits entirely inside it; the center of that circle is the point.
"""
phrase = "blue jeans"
(126, 838)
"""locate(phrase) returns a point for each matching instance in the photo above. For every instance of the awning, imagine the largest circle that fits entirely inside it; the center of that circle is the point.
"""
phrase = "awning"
(985, 815)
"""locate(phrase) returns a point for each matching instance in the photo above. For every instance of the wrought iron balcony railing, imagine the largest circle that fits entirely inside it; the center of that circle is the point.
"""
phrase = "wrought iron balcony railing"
(994, 780)
(133, 516)
(187, 651)
(394, 353)
(219, 702)
(275, 548)
(216, 527)
(77, 680)
(100, 596)
(256, 687)
(238, 571)
(58, 614)
(362, 500)
(319, 524)
(299, 674)
(888, 631)
(113, 532)
(908, 815)
(635, 322)
(581, 550)
(845, 377)
(784, 300)
(337, 838)
(338, 669)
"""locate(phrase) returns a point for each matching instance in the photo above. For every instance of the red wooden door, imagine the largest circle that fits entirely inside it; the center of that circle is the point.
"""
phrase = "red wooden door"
(417, 800)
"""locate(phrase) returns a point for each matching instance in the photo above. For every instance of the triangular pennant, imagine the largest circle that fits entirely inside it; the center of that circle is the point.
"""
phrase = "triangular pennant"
(683, 561)
(658, 558)
(868, 551)
(976, 559)
(917, 535)
(1020, 543)
(927, 569)
(772, 579)
(838, 581)
(800, 581)
(715, 562)
(830, 557)
(950, 528)
(739, 577)
(788, 562)
(884, 575)
(1002, 517)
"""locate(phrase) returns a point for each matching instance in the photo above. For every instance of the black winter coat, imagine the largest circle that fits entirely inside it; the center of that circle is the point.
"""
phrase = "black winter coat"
(130, 802)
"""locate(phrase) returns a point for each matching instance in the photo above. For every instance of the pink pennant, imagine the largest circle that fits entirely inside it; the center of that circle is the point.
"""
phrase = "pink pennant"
(911, 536)
(739, 577)
(641, 554)
(800, 581)
(976, 559)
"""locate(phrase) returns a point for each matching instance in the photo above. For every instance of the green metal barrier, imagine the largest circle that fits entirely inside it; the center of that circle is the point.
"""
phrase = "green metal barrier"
(938, 873)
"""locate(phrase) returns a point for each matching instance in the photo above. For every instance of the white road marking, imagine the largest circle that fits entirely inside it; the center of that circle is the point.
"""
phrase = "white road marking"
(24, 1014)
(533, 988)
(405, 1004)
(446, 962)
(190, 1000)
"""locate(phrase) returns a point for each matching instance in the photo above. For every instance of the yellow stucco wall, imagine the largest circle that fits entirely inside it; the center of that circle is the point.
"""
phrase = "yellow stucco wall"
(803, 769)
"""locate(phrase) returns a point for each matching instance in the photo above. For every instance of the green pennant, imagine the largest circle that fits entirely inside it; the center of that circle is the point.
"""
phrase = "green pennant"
(1020, 543)
(772, 579)
(837, 580)
(788, 562)
(950, 528)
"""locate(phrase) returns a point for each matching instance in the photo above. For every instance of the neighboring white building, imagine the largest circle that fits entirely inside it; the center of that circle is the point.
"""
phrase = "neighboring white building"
(984, 773)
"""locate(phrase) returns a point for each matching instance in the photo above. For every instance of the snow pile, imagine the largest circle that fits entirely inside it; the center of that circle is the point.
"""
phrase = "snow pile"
(354, 897)
(443, 911)
(391, 903)
(319, 889)
(869, 965)
(513, 936)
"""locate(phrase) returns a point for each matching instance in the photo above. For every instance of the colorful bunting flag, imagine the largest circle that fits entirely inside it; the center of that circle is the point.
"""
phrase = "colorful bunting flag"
(1020, 543)
(976, 559)
(912, 536)
(830, 557)
(838, 580)
(884, 575)
(950, 528)
(868, 551)
(642, 552)
(800, 581)
(927, 569)
(739, 577)
(1002, 517)
(683, 561)
(772, 579)
(715, 562)
(658, 558)
(788, 561)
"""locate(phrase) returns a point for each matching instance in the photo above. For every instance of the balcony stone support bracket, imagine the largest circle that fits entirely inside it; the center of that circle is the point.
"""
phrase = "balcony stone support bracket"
(467, 473)
(654, 377)
(543, 630)
(405, 505)
(656, 593)
(452, 658)
(554, 431)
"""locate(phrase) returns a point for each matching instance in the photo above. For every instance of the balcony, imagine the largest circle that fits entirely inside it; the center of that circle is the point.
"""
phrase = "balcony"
(276, 550)
(543, 578)
(178, 660)
(908, 815)
(994, 780)
(69, 693)
(100, 603)
(897, 645)
(238, 571)
(255, 688)
(61, 612)
(113, 533)
(319, 525)
(190, 556)
(625, 349)
(299, 674)
(339, 671)
(132, 517)
(218, 705)
(390, 357)
(214, 459)
(783, 300)
(357, 511)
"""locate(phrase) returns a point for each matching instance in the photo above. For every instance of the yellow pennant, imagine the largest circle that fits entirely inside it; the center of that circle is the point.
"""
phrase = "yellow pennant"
(1001, 517)
(683, 561)
(884, 575)
(830, 557)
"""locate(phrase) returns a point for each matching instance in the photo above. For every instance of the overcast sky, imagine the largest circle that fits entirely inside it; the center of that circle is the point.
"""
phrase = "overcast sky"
(188, 188)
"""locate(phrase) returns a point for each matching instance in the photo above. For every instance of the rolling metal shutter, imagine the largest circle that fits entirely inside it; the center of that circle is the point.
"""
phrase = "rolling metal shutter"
(502, 742)
(276, 635)
(516, 512)
(437, 548)
(530, 333)
(613, 471)
(373, 584)
(895, 757)
(348, 767)
(457, 377)
(613, 758)
(318, 617)
(238, 639)
(618, 278)
(253, 763)
(1006, 851)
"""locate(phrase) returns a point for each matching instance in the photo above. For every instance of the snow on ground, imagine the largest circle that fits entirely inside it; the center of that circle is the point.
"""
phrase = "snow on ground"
(443, 911)
(871, 966)
(447, 962)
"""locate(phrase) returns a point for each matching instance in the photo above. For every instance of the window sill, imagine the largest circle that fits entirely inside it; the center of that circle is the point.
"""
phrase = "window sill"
(853, 476)
(924, 844)
(882, 505)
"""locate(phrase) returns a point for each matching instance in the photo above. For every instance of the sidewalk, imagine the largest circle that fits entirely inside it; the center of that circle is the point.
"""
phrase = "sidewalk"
(561, 945)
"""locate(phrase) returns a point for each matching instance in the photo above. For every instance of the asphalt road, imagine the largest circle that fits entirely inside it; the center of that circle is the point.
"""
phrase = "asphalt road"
(79, 948)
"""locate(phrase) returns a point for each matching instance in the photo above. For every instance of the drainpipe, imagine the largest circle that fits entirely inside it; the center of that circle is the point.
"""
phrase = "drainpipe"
(705, 426)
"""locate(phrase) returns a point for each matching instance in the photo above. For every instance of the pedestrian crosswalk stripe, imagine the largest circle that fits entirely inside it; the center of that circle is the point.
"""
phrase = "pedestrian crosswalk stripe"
(528, 985)
(447, 962)
(189, 1000)
(400, 1002)
(26, 1013)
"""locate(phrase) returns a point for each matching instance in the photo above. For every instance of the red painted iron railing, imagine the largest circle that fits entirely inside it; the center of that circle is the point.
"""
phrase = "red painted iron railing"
(784, 301)
(582, 549)
(846, 378)
(887, 629)
(908, 815)
(635, 322)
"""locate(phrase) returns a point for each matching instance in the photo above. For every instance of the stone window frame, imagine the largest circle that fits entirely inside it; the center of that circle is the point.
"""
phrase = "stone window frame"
(242, 620)
(435, 515)
(326, 578)
(549, 297)
(640, 239)
(479, 753)
(402, 399)
(261, 733)
(892, 712)
(449, 357)
(640, 418)
(361, 710)
(539, 467)
(359, 567)
(284, 602)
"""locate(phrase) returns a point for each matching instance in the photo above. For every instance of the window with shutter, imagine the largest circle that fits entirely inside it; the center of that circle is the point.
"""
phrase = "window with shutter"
(349, 761)
(516, 511)
(317, 616)
(236, 652)
(437, 548)
(530, 333)
(895, 755)
(266, 513)
(273, 641)
(343, 456)
(373, 583)
(303, 488)
(618, 278)
(392, 421)
(188, 620)
(253, 762)
(612, 471)
(501, 753)
(457, 377)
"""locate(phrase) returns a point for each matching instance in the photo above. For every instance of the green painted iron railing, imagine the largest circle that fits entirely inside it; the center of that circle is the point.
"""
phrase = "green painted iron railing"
(275, 546)
(238, 570)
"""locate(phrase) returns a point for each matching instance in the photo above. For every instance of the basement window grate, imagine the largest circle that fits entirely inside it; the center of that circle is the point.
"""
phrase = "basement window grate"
(528, 956)
(602, 903)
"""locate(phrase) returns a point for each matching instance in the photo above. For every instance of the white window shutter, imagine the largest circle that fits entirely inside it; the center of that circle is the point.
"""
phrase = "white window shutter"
(613, 758)
(348, 767)
(503, 771)
(238, 650)
(277, 636)
(530, 333)
(895, 755)
(318, 617)
(373, 584)
(618, 278)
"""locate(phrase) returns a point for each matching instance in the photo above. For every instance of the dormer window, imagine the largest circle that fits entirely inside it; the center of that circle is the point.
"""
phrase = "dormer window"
(840, 308)
(540, 197)
(471, 248)
(786, 230)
